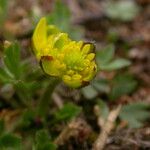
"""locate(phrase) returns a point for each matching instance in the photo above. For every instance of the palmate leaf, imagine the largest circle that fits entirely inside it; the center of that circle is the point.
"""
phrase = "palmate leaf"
(89, 92)
(13, 67)
(61, 17)
(12, 60)
(16, 72)
(5, 76)
(106, 62)
(102, 85)
(43, 141)
(9, 141)
(68, 112)
(1, 127)
(122, 10)
(135, 114)
(105, 55)
(116, 64)
(3, 10)
(122, 84)
(104, 109)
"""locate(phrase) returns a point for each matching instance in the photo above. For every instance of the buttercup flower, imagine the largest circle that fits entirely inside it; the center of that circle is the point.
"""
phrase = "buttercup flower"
(62, 57)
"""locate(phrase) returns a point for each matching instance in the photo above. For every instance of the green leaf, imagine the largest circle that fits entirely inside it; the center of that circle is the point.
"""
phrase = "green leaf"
(4, 76)
(105, 55)
(23, 92)
(27, 118)
(10, 141)
(121, 85)
(1, 127)
(61, 17)
(135, 114)
(43, 141)
(12, 59)
(101, 85)
(3, 4)
(116, 64)
(105, 62)
(112, 35)
(42, 136)
(68, 112)
(89, 92)
(104, 110)
(3, 10)
(122, 10)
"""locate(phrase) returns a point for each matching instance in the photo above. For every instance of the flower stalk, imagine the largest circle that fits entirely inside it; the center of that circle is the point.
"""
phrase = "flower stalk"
(46, 97)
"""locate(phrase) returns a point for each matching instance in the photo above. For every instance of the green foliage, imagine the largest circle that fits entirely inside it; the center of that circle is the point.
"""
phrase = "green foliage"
(107, 63)
(5, 77)
(1, 127)
(97, 86)
(122, 10)
(101, 85)
(60, 13)
(116, 64)
(122, 84)
(3, 10)
(68, 112)
(14, 72)
(9, 141)
(89, 92)
(27, 119)
(25, 86)
(61, 17)
(12, 60)
(11, 64)
(105, 55)
(135, 114)
(43, 141)
(112, 35)
(104, 110)
(11, 68)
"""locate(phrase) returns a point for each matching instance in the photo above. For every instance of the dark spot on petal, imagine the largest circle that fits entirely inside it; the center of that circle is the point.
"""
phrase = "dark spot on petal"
(94, 68)
(41, 65)
(85, 83)
(48, 58)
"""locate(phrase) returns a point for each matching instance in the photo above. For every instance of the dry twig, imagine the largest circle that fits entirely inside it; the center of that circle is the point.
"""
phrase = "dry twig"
(57, 100)
(106, 129)
(73, 129)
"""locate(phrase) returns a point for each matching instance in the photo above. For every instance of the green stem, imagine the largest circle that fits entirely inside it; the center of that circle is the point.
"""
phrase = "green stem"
(22, 93)
(46, 97)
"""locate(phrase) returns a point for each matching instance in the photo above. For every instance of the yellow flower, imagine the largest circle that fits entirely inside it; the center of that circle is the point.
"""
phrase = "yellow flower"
(62, 57)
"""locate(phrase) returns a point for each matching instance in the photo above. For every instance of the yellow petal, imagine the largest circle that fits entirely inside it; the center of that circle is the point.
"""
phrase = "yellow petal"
(86, 49)
(60, 40)
(52, 66)
(75, 81)
(90, 56)
(40, 35)
(90, 72)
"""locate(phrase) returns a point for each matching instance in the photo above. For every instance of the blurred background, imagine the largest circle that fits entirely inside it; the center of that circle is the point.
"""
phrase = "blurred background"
(120, 30)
